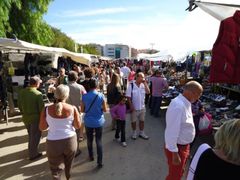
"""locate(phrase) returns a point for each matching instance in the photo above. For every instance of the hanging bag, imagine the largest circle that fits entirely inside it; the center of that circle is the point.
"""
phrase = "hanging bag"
(205, 125)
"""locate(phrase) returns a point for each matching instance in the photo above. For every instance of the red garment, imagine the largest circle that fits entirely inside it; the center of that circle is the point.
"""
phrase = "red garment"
(225, 65)
(175, 172)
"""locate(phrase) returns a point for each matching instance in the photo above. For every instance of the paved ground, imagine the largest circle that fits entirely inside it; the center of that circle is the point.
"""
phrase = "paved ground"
(140, 160)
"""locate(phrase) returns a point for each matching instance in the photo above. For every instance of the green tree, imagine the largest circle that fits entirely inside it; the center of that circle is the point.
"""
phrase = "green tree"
(24, 19)
(88, 48)
(62, 40)
(5, 7)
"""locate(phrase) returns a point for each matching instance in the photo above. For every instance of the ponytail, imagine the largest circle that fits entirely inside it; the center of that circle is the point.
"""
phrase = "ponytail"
(59, 108)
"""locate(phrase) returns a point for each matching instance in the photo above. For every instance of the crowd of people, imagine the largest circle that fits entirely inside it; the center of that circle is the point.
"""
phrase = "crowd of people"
(83, 94)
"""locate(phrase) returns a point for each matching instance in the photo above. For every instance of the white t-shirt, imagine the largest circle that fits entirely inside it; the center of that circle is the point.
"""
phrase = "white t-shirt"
(138, 95)
(125, 70)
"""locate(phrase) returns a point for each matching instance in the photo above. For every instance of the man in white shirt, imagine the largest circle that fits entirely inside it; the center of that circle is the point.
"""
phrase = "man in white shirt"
(180, 130)
(125, 70)
(136, 94)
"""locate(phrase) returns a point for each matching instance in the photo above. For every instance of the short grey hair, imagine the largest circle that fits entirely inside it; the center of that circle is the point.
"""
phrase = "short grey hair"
(61, 92)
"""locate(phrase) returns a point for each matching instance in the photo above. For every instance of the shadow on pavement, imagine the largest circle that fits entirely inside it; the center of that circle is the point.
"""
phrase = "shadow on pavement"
(11, 129)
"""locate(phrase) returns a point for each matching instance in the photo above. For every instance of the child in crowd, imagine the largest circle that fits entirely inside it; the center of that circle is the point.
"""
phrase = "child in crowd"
(118, 113)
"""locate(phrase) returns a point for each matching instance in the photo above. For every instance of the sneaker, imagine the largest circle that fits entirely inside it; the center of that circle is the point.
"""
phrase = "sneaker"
(124, 144)
(134, 136)
(81, 139)
(91, 158)
(117, 139)
(143, 136)
(100, 165)
(35, 157)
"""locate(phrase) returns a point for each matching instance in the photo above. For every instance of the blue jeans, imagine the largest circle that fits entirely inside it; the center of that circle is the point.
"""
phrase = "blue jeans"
(155, 106)
(98, 139)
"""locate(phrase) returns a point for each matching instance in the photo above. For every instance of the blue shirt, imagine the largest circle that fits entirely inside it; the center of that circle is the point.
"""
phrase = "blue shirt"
(94, 118)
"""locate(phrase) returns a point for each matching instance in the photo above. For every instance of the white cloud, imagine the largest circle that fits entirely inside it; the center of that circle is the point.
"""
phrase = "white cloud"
(197, 31)
(95, 12)
(89, 22)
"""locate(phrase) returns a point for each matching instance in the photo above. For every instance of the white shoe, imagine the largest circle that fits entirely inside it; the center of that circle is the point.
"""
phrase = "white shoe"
(134, 135)
(143, 136)
(117, 139)
(124, 144)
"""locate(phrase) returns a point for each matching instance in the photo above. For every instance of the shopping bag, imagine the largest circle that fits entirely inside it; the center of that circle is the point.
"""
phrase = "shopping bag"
(205, 125)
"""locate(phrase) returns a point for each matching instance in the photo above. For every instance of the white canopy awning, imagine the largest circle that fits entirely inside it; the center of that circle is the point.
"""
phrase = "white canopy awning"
(218, 10)
(9, 45)
(164, 56)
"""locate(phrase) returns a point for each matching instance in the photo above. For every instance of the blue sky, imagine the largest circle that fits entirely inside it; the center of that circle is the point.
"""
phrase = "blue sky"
(137, 23)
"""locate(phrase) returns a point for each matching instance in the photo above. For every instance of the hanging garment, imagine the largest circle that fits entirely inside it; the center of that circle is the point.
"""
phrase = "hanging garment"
(225, 65)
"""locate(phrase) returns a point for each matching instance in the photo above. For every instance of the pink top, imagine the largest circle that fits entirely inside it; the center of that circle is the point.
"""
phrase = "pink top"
(158, 84)
(131, 76)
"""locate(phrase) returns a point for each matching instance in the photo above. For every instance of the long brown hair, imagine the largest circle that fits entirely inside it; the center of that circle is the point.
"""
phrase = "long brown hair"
(115, 82)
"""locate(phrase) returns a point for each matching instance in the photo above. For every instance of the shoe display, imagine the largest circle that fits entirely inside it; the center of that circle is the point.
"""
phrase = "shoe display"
(124, 144)
(238, 107)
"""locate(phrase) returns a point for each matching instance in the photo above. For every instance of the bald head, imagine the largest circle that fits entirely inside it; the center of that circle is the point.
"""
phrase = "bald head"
(192, 91)
(193, 86)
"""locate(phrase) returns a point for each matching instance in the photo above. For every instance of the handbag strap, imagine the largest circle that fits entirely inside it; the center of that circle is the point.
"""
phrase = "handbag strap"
(92, 103)
(195, 160)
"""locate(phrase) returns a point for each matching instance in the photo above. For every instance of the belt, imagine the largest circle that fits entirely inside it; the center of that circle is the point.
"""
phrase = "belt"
(182, 145)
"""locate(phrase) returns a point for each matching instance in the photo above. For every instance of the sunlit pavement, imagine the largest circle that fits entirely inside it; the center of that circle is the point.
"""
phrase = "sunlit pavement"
(140, 160)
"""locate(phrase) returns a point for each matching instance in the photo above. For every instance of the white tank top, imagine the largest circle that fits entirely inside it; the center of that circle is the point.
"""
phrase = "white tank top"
(60, 128)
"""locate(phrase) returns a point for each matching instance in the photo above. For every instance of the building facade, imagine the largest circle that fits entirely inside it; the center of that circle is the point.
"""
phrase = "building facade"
(117, 51)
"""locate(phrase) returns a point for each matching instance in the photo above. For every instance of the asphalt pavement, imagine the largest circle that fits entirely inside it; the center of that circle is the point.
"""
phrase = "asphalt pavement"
(140, 160)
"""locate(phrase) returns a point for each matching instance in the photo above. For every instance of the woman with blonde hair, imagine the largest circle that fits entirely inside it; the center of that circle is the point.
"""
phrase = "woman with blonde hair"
(223, 161)
(60, 119)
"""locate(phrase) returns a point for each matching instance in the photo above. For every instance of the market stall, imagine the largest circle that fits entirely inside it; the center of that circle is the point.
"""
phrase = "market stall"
(19, 60)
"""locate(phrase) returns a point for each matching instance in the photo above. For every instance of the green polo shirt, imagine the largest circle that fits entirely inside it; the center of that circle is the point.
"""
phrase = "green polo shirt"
(30, 103)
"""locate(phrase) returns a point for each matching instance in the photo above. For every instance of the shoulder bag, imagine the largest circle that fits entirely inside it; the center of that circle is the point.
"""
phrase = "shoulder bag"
(91, 104)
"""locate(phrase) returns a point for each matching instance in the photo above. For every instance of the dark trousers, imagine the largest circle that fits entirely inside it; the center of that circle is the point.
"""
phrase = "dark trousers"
(98, 139)
(34, 136)
(125, 82)
(155, 107)
(121, 124)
